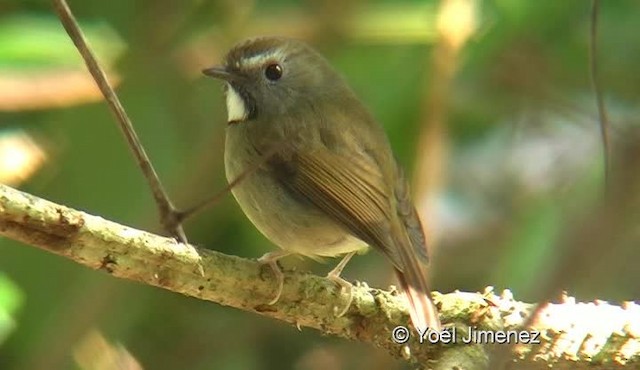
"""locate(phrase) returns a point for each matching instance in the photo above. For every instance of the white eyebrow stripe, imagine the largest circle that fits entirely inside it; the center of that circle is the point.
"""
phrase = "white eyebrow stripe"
(260, 59)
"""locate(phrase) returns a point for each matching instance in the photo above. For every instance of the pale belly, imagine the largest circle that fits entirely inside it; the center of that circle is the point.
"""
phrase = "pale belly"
(292, 224)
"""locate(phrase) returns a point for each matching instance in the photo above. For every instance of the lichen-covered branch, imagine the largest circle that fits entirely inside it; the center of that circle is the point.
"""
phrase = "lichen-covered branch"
(571, 335)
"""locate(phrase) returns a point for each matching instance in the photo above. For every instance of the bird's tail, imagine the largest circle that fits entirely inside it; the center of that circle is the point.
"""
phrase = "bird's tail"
(421, 308)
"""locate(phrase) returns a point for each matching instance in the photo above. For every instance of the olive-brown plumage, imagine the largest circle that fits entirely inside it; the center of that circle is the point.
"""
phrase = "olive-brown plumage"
(323, 182)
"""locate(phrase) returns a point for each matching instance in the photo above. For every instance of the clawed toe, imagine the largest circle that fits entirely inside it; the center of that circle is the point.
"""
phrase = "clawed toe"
(334, 275)
(271, 259)
(345, 286)
(280, 281)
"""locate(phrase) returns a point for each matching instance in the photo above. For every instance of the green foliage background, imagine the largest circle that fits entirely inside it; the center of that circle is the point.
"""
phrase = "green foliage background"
(522, 83)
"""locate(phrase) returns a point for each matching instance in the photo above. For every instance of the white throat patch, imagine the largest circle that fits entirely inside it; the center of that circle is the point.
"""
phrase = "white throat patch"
(236, 108)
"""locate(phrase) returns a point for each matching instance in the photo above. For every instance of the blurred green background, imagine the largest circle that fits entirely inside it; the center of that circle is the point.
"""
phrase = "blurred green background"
(488, 105)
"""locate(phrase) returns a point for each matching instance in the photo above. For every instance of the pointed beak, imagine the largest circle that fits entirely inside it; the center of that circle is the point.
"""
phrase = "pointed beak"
(220, 73)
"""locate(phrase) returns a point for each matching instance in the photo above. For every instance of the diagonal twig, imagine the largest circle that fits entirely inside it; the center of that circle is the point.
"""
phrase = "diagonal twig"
(190, 212)
(168, 213)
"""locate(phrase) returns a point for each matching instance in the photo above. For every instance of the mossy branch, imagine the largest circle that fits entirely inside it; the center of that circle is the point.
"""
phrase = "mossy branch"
(572, 335)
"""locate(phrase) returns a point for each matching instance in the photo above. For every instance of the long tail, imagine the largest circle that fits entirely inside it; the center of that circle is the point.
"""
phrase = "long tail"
(412, 273)
(421, 308)
(411, 259)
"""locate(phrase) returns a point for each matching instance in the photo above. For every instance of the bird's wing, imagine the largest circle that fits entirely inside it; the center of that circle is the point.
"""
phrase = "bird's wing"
(351, 190)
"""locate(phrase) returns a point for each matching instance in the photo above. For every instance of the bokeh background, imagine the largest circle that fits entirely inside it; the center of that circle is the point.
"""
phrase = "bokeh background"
(488, 104)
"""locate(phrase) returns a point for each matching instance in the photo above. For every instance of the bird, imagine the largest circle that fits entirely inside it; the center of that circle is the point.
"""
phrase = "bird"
(319, 178)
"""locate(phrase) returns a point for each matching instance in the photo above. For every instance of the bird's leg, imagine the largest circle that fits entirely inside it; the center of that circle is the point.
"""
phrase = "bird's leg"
(334, 275)
(271, 259)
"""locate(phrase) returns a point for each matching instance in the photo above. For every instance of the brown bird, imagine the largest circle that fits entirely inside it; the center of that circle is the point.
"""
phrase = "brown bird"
(324, 181)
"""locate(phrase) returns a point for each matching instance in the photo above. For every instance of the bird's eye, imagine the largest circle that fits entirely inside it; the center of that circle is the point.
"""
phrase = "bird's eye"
(273, 72)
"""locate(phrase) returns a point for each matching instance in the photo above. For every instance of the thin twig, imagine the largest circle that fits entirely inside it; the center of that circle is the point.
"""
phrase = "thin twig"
(165, 207)
(602, 112)
(190, 212)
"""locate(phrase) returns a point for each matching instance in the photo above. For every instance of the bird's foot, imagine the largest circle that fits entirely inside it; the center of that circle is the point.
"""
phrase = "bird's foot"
(334, 275)
(271, 259)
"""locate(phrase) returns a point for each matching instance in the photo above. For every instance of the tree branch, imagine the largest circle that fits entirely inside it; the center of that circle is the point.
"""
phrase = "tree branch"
(602, 335)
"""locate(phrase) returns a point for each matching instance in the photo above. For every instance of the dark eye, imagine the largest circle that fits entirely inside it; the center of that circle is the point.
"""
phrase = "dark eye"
(273, 72)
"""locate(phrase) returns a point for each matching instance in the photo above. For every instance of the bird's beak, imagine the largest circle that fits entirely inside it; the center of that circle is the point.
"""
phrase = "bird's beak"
(220, 73)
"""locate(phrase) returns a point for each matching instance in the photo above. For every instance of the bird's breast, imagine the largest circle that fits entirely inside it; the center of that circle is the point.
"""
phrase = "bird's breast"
(287, 220)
